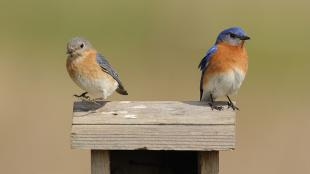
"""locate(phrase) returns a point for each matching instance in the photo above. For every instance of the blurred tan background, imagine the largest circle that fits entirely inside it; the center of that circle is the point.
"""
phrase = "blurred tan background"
(155, 46)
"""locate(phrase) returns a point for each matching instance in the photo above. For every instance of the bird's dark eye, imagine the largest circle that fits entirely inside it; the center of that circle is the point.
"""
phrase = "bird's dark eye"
(82, 45)
(232, 35)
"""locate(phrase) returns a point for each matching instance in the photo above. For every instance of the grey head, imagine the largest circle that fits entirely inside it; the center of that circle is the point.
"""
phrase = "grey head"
(77, 45)
(233, 36)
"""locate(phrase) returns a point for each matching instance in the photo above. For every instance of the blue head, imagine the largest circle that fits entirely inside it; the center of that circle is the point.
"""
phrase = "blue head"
(232, 36)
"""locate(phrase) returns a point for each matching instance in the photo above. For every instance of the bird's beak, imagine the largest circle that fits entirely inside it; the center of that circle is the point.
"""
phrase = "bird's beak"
(244, 37)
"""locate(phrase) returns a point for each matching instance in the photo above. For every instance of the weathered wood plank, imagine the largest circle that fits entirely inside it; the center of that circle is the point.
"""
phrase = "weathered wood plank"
(152, 125)
(100, 162)
(154, 137)
(150, 112)
(208, 162)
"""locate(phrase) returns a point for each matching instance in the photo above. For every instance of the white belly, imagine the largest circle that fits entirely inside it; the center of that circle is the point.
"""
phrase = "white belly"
(101, 88)
(227, 83)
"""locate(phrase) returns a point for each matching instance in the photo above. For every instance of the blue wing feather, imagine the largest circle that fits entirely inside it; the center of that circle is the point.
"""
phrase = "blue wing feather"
(105, 66)
(204, 64)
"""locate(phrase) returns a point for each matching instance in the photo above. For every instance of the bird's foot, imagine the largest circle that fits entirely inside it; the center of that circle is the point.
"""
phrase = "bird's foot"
(214, 106)
(232, 105)
(82, 96)
(86, 98)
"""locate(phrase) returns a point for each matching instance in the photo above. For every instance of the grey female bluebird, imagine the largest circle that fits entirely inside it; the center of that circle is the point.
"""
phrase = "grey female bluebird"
(91, 71)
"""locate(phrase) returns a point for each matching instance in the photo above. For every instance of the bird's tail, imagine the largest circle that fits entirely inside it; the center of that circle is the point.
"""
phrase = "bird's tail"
(121, 90)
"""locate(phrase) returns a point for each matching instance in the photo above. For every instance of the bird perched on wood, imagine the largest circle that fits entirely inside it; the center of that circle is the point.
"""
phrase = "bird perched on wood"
(91, 71)
(224, 67)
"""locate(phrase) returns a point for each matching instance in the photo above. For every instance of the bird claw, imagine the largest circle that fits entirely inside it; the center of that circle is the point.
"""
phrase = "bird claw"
(213, 106)
(231, 105)
(86, 98)
(83, 96)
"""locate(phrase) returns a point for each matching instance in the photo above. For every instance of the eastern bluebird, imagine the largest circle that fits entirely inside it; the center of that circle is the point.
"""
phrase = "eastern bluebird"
(91, 71)
(224, 67)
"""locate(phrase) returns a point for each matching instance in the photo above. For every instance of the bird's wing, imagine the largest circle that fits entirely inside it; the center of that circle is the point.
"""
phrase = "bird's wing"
(204, 62)
(106, 67)
(203, 65)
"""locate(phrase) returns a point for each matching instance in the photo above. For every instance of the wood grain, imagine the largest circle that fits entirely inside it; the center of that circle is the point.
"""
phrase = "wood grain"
(153, 137)
(100, 162)
(150, 112)
(152, 125)
(208, 162)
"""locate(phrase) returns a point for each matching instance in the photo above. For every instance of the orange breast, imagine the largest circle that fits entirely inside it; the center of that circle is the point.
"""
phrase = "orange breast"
(85, 65)
(225, 58)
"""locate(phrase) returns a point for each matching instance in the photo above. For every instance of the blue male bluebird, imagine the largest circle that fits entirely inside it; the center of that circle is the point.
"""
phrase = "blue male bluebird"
(224, 67)
(91, 71)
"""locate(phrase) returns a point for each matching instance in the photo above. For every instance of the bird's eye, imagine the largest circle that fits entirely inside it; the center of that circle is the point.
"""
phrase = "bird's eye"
(232, 35)
(82, 45)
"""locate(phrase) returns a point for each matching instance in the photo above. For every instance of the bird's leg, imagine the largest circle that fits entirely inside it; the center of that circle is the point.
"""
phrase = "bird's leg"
(231, 104)
(83, 96)
(213, 106)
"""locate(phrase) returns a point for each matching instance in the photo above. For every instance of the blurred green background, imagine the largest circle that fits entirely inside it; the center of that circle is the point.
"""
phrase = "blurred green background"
(155, 46)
